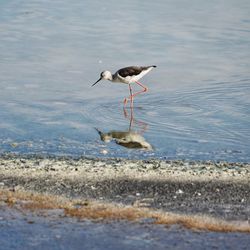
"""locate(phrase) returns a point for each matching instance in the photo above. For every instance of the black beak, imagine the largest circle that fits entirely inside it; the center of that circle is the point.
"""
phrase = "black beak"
(96, 82)
(99, 132)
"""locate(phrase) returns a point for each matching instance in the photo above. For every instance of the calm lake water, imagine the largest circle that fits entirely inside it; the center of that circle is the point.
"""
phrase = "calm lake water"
(198, 104)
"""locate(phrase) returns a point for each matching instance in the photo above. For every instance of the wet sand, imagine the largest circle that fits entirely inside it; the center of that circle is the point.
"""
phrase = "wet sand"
(22, 230)
(134, 204)
(214, 189)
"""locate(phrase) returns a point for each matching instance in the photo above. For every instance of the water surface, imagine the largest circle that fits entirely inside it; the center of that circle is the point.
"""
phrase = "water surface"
(198, 104)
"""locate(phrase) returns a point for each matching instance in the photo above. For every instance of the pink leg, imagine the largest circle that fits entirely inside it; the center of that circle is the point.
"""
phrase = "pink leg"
(130, 97)
(145, 89)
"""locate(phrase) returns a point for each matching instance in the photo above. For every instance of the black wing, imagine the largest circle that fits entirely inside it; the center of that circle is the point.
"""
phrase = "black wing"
(132, 70)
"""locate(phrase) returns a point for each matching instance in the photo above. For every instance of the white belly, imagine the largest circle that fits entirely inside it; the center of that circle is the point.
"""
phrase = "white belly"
(131, 79)
(138, 77)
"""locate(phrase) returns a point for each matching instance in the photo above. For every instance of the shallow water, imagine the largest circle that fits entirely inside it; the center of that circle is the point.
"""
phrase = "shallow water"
(21, 230)
(198, 104)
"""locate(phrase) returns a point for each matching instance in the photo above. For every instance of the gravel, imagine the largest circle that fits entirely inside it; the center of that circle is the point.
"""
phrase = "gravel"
(219, 189)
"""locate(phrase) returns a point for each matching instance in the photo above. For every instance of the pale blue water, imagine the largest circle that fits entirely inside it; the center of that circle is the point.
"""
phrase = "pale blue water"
(198, 104)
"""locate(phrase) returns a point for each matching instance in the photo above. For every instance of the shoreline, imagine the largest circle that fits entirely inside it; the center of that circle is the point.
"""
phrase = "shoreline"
(220, 189)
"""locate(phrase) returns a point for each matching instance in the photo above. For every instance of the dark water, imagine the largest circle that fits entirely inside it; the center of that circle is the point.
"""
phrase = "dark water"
(29, 231)
(198, 104)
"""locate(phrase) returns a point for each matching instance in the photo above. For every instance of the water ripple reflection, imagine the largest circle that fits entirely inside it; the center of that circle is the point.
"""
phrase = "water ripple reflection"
(198, 106)
(208, 122)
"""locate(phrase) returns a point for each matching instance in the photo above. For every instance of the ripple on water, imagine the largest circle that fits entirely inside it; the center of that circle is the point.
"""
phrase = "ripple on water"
(206, 122)
(209, 122)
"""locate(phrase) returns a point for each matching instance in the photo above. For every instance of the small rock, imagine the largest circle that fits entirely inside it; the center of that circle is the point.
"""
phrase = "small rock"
(14, 144)
(104, 151)
(179, 191)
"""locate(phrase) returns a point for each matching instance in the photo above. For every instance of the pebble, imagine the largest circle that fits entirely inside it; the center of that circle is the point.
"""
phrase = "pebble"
(179, 191)
(104, 151)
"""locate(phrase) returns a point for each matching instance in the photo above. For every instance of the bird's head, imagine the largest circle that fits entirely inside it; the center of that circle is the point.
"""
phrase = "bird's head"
(105, 75)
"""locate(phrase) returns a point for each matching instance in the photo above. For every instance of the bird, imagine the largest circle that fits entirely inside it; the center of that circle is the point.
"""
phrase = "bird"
(128, 139)
(128, 76)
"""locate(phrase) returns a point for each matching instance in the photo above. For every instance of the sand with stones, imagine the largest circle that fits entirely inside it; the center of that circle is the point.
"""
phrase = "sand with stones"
(218, 189)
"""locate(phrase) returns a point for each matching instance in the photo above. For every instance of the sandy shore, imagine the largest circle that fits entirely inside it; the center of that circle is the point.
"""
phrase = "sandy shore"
(215, 189)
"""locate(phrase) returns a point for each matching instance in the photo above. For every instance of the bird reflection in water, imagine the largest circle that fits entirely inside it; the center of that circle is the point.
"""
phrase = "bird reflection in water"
(129, 138)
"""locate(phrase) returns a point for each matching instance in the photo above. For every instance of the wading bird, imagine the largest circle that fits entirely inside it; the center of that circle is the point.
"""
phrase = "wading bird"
(128, 76)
